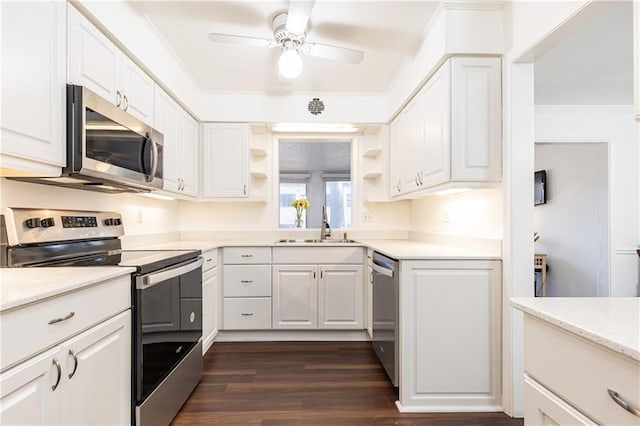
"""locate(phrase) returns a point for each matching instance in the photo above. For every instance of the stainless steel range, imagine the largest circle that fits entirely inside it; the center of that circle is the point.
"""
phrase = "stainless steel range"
(166, 296)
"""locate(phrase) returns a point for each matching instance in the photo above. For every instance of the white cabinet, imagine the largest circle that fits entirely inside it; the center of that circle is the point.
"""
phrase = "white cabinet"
(570, 384)
(246, 287)
(450, 335)
(295, 296)
(33, 88)
(225, 160)
(341, 297)
(210, 298)
(449, 135)
(368, 294)
(320, 295)
(97, 374)
(180, 149)
(75, 367)
(636, 56)
(85, 380)
(96, 63)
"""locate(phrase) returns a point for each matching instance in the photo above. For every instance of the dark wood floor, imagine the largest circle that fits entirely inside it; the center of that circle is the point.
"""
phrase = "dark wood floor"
(305, 383)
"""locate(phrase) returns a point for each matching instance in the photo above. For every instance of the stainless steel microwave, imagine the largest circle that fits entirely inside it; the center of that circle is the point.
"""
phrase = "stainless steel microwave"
(108, 149)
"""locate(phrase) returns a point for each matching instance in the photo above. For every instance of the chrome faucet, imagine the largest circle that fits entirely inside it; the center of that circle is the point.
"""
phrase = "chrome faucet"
(325, 229)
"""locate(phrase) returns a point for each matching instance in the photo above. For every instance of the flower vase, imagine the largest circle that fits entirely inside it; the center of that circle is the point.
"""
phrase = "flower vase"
(299, 219)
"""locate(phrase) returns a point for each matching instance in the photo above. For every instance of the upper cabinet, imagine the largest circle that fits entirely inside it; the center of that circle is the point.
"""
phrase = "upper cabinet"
(180, 149)
(225, 160)
(636, 56)
(96, 63)
(449, 134)
(33, 88)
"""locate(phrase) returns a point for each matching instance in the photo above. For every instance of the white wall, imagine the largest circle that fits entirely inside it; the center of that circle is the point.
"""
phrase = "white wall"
(614, 125)
(158, 216)
(573, 224)
(476, 213)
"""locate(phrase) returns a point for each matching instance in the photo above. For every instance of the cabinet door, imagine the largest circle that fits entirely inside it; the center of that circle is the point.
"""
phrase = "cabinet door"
(225, 168)
(209, 308)
(412, 144)
(26, 394)
(93, 60)
(476, 132)
(137, 91)
(33, 87)
(166, 121)
(98, 374)
(340, 297)
(434, 148)
(441, 299)
(396, 153)
(295, 296)
(189, 157)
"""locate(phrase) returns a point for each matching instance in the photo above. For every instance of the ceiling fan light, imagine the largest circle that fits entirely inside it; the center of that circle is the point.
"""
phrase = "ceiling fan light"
(290, 64)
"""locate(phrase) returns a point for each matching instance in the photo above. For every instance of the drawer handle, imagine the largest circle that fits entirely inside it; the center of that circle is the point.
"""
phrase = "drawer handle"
(75, 363)
(64, 318)
(57, 364)
(209, 259)
(247, 315)
(246, 281)
(623, 403)
(246, 255)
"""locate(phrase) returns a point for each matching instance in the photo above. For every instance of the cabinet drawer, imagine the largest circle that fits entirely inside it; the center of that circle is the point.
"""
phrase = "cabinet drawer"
(247, 255)
(580, 372)
(247, 281)
(251, 313)
(210, 259)
(89, 305)
(542, 407)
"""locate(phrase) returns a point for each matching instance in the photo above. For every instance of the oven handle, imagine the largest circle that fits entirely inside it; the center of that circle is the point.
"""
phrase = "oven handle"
(384, 271)
(152, 279)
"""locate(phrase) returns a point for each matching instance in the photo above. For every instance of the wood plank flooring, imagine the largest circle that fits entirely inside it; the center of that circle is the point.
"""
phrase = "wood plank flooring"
(305, 383)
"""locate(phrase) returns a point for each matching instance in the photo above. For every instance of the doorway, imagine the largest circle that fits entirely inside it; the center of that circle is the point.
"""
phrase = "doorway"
(573, 224)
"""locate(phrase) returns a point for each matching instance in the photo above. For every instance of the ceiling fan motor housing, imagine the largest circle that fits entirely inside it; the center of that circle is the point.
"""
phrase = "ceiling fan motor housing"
(280, 33)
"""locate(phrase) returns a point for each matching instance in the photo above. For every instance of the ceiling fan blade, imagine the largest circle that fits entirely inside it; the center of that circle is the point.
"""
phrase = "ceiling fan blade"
(298, 15)
(235, 39)
(332, 52)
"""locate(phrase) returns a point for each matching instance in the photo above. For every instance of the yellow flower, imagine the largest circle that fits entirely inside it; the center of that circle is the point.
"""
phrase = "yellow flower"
(301, 203)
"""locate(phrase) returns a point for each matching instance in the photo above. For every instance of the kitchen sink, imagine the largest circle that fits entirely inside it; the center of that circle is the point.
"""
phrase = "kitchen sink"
(318, 241)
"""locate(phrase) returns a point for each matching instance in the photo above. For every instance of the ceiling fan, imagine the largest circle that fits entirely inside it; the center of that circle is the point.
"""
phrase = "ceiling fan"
(290, 34)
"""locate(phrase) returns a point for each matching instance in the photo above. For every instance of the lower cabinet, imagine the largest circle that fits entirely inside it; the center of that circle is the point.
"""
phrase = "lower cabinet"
(84, 380)
(210, 298)
(318, 296)
(450, 335)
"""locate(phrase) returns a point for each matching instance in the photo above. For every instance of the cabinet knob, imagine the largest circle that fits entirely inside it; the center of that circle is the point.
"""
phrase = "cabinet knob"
(126, 102)
(118, 99)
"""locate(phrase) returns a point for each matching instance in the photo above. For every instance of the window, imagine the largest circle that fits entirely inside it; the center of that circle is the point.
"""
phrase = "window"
(338, 200)
(290, 191)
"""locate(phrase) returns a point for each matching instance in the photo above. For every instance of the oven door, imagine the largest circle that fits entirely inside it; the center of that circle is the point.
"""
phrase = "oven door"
(168, 326)
(107, 143)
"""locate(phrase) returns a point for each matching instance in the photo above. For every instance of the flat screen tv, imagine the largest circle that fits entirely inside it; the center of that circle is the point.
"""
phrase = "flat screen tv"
(539, 187)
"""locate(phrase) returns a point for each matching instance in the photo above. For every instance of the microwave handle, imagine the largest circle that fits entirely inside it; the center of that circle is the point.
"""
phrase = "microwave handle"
(154, 160)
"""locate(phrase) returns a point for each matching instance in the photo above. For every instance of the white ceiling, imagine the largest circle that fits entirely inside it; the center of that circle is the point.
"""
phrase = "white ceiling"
(593, 65)
(389, 32)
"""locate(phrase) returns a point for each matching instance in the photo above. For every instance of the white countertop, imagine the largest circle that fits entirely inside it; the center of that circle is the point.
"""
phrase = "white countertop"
(397, 249)
(19, 286)
(613, 322)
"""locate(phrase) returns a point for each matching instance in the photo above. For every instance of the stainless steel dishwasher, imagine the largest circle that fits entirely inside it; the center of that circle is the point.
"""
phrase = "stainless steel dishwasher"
(386, 285)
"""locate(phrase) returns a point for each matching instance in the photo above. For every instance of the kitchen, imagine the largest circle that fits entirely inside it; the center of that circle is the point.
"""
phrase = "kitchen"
(500, 222)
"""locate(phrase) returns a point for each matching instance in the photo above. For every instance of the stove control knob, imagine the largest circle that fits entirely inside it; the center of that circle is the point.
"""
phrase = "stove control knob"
(117, 221)
(47, 222)
(34, 222)
(108, 222)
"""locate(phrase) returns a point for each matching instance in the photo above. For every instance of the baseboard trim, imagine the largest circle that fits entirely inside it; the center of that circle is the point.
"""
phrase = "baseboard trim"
(291, 335)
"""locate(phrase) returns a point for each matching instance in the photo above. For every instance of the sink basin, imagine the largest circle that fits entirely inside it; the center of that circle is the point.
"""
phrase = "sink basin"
(316, 241)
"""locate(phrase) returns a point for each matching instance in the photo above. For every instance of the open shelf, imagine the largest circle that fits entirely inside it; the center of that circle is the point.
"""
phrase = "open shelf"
(258, 152)
(372, 175)
(372, 152)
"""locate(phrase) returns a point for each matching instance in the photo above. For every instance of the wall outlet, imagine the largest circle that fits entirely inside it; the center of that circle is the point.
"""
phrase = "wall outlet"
(445, 216)
(139, 216)
(367, 217)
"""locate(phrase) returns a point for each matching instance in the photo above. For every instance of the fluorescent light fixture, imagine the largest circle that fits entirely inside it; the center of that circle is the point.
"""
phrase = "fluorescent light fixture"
(155, 196)
(314, 128)
(290, 63)
(452, 191)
